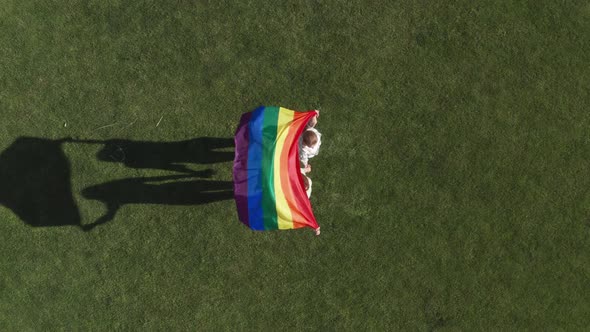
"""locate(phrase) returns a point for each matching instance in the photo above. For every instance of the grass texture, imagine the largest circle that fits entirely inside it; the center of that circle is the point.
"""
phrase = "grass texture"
(451, 186)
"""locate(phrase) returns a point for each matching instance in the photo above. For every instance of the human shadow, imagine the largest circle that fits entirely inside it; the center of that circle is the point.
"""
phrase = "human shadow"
(35, 183)
(183, 190)
(170, 156)
(175, 156)
(35, 177)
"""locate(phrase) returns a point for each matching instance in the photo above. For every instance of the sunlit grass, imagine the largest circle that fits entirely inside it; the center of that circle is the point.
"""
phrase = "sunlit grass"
(450, 188)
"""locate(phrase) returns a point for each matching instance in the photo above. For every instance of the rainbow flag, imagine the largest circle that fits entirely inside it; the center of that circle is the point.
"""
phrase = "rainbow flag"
(268, 185)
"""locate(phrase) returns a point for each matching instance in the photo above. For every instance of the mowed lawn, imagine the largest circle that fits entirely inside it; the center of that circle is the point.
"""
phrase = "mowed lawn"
(451, 188)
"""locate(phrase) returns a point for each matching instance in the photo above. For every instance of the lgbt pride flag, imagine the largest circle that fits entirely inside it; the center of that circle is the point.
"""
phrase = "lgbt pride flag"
(268, 185)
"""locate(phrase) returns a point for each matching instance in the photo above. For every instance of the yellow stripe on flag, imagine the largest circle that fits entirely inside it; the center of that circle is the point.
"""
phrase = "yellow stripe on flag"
(284, 217)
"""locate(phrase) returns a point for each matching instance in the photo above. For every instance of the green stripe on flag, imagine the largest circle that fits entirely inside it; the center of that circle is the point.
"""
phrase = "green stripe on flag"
(269, 137)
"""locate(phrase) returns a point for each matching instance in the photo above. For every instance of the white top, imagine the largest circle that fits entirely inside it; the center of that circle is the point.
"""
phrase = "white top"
(306, 152)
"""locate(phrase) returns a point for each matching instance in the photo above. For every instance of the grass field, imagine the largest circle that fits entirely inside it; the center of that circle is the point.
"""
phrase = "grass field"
(451, 187)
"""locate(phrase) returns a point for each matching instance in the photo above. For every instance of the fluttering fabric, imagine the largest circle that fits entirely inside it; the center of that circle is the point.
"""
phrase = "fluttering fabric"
(268, 184)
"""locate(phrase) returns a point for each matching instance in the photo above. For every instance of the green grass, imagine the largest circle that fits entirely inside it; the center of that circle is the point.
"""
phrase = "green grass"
(451, 188)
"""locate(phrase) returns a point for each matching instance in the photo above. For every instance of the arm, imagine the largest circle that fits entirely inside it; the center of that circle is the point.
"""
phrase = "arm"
(306, 169)
(313, 121)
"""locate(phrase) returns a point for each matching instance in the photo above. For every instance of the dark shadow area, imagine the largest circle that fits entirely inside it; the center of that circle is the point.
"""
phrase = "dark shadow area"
(35, 183)
(35, 177)
(168, 156)
(169, 190)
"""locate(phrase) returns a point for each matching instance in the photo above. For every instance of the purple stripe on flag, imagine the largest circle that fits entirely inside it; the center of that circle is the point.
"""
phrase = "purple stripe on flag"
(241, 168)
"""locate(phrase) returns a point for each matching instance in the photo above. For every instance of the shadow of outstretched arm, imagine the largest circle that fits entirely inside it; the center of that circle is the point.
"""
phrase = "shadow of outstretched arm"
(171, 156)
(108, 216)
(181, 189)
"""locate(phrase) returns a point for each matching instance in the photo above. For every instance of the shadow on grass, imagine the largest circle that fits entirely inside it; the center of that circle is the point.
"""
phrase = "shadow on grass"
(182, 190)
(35, 177)
(35, 183)
(170, 156)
